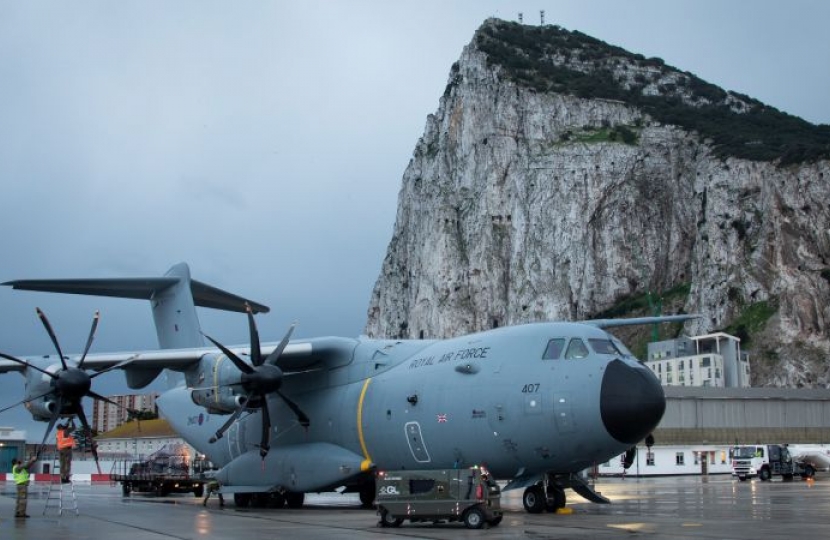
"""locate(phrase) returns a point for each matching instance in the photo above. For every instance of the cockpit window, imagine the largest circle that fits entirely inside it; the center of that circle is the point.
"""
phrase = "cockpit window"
(576, 349)
(554, 349)
(604, 346)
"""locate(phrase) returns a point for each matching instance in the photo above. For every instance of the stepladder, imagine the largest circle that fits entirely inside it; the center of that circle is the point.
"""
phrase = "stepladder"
(61, 495)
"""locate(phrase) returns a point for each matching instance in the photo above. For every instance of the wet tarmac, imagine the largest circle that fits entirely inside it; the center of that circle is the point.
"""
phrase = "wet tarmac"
(716, 507)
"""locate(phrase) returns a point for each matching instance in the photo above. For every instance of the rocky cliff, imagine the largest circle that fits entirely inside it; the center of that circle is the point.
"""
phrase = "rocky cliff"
(562, 178)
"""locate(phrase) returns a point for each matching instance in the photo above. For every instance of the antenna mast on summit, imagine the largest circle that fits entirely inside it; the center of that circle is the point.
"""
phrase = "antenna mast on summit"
(520, 17)
(542, 16)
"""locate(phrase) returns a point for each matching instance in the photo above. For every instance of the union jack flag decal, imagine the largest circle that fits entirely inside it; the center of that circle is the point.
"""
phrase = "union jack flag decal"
(442, 418)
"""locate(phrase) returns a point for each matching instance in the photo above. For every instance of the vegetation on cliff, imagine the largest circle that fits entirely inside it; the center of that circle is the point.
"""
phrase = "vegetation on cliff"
(552, 59)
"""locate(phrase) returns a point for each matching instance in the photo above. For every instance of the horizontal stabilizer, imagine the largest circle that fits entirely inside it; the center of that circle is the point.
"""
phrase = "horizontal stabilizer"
(139, 288)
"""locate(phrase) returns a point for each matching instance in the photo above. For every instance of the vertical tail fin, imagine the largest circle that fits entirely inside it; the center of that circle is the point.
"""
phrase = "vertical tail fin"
(173, 298)
(174, 312)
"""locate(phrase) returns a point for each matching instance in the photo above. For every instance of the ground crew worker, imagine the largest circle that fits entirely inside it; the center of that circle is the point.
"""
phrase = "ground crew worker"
(66, 442)
(212, 486)
(20, 472)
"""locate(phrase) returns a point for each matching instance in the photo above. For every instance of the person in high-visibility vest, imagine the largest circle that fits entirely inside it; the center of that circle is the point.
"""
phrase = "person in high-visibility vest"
(66, 442)
(20, 472)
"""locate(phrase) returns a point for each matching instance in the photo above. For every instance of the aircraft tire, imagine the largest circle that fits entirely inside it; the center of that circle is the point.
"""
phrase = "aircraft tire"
(556, 499)
(294, 500)
(474, 518)
(534, 499)
(388, 520)
(242, 500)
(367, 494)
(276, 500)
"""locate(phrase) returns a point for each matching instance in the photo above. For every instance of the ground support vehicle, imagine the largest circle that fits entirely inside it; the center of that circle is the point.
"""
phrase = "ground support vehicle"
(467, 495)
(161, 474)
(766, 461)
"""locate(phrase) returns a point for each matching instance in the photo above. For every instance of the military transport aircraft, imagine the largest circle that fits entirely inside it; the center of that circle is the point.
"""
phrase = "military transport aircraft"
(536, 403)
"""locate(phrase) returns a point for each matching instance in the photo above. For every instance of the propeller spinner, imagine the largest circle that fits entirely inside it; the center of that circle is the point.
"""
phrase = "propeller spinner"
(260, 378)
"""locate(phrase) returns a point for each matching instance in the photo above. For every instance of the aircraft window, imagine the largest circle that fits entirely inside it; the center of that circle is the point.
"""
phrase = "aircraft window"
(554, 349)
(576, 349)
(604, 346)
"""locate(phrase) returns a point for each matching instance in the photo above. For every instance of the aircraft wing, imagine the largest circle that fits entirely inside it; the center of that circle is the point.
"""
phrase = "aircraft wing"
(326, 352)
(636, 321)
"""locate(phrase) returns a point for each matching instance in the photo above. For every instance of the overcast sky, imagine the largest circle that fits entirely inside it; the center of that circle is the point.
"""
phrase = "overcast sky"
(264, 142)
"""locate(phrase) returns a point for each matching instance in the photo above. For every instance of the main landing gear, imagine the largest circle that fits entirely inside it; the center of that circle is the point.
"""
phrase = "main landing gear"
(545, 496)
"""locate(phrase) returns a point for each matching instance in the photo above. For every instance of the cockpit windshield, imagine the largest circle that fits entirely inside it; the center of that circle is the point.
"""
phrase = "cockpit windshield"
(604, 346)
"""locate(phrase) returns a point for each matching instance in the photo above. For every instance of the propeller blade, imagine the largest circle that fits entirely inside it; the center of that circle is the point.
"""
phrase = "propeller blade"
(265, 445)
(55, 415)
(221, 431)
(275, 354)
(95, 319)
(256, 352)
(79, 412)
(119, 365)
(301, 417)
(27, 364)
(238, 362)
(99, 397)
(25, 400)
(51, 333)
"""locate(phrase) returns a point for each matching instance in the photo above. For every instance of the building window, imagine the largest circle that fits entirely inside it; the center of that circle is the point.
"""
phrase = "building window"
(680, 459)
(650, 458)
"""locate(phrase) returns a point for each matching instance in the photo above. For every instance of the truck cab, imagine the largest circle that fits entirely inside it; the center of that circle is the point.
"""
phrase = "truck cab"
(468, 495)
(766, 461)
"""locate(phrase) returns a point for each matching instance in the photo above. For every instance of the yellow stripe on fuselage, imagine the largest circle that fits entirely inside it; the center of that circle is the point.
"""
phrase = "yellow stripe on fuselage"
(360, 420)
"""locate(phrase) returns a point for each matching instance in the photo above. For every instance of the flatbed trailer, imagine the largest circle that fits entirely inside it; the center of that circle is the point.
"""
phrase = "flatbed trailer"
(158, 478)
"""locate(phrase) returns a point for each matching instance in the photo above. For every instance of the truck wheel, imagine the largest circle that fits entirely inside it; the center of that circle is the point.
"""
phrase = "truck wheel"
(199, 491)
(388, 520)
(474, 518)
(764, 474)
(125, 489)
(534, 499)
(809, 472)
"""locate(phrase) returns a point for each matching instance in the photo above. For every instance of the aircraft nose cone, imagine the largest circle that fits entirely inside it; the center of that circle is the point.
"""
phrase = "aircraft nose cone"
(631, 402)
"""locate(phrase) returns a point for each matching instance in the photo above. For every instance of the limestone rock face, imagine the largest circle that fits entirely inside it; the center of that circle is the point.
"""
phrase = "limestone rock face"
(518, 206)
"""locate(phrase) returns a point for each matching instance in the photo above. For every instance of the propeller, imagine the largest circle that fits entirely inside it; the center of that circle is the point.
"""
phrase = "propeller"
(69, 384)
(260, 378)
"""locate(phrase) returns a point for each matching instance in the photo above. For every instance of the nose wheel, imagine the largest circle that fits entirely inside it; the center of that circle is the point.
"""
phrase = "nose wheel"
(539, 498)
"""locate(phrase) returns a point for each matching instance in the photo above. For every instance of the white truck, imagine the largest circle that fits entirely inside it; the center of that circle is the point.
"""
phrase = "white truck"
(767, 460)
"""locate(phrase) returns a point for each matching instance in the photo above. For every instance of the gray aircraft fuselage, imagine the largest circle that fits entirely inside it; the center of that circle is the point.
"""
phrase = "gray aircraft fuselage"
(489, 398)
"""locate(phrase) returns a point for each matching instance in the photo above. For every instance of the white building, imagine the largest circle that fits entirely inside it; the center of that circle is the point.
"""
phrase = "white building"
(134, 441)
(712, 360)
(106, 416)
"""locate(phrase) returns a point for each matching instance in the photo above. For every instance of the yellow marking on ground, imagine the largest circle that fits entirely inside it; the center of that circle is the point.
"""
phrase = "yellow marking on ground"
(360, 420)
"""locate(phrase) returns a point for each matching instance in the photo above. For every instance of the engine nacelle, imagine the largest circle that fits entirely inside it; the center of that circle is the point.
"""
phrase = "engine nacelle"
(216, 384)
(41, 409)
